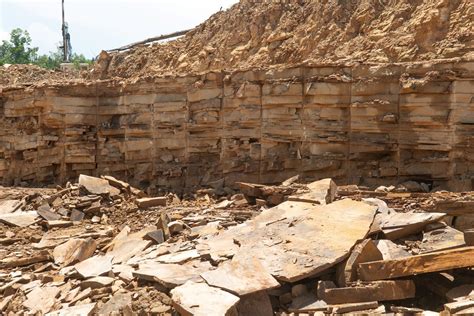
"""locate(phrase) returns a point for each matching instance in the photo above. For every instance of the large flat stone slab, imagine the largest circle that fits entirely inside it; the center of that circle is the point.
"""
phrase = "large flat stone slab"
(127, 249)
(171, 275)
(295, 240)
(241, 277)
(94, 266)
(200, 299)
(398, 225)
(20, 219)
(9, 206)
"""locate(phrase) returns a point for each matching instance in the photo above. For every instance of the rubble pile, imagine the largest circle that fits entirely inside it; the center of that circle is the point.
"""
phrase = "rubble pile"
(11, 75)
(254, 34)
(101, 246)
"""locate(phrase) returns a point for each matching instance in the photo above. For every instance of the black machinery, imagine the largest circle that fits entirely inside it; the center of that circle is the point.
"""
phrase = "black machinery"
(66, 47)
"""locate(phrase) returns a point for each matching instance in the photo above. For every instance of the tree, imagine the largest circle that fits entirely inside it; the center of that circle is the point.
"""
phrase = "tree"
(54, 59)
(18, 49)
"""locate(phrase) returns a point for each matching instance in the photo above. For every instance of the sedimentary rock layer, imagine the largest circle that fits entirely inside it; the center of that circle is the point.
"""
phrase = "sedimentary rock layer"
(364, 124)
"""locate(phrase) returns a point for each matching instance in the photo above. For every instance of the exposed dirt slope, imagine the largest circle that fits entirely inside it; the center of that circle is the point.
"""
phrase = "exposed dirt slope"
(263, 33)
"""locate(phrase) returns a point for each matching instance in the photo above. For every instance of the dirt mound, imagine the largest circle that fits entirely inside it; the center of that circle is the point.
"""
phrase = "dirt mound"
(22, 74)
(264, 33)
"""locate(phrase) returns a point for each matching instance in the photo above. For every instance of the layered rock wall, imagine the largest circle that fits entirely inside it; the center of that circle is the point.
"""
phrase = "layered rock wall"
(364, 124)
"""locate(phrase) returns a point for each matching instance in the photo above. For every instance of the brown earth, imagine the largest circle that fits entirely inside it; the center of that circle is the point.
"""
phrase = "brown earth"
(254, 34)
(11, 75)
(265, 33)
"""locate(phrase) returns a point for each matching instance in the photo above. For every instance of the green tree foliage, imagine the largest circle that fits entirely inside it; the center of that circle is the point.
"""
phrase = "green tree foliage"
(54, 59)
(18, 50)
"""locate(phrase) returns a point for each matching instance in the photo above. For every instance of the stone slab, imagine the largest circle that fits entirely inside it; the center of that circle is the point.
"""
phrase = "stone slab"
(9, 206)
(74, 250)
(200, 299)
(94, 266)
(241, 277)
(295, 240)
(424, 263)
(97, 185)
(19, 219)
(171, 275)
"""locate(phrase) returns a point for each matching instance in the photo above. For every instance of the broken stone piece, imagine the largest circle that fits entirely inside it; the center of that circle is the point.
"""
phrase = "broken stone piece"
(179, 257)
(200, 299)
(157, 236)
(41, 299)
(458, 292)
(352, 307)
(151, 202)
(375, 291)
(390, 250)
(20, 219)
(58, 223)
(97, 186)
(241, 277)
(48, 215)
(172, 275)
(117, 183)
(424, 263)
(116, 304)
(97, 282)
(94, 266)
(441, 239)
(455, 307)
(127, 249)
(176, 227)
(9, 206)
(76, 215)
(469, 237)
(14, 262)
(365, 251)
(80, 310)
(74, 250)
(398, 225)
(307, 303)
(321, 192)
(255, 304)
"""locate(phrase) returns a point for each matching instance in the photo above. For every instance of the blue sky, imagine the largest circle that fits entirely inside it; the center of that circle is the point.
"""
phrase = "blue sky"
(103, 24)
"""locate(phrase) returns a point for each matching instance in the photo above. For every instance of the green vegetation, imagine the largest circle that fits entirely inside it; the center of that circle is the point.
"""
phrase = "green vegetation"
(18, 50)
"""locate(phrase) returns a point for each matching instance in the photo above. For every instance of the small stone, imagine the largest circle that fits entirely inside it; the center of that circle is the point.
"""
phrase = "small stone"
(299, 290)
(151, 202)
(286, 298)
(160, 309)
(176, 227)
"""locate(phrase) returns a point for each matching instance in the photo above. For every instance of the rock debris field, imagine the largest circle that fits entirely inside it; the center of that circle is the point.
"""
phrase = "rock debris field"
(102, 247)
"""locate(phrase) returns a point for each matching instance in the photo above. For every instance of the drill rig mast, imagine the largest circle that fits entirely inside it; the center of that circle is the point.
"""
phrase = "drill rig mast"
(66, 47)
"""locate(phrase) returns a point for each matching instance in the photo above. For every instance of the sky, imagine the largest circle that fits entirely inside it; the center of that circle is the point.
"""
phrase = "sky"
(103, 24)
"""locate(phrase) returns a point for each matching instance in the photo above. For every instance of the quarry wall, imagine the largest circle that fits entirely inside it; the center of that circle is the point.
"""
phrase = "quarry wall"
(362, 124)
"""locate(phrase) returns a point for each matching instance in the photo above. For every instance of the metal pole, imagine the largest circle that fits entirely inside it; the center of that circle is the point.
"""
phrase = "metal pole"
(64, 36)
